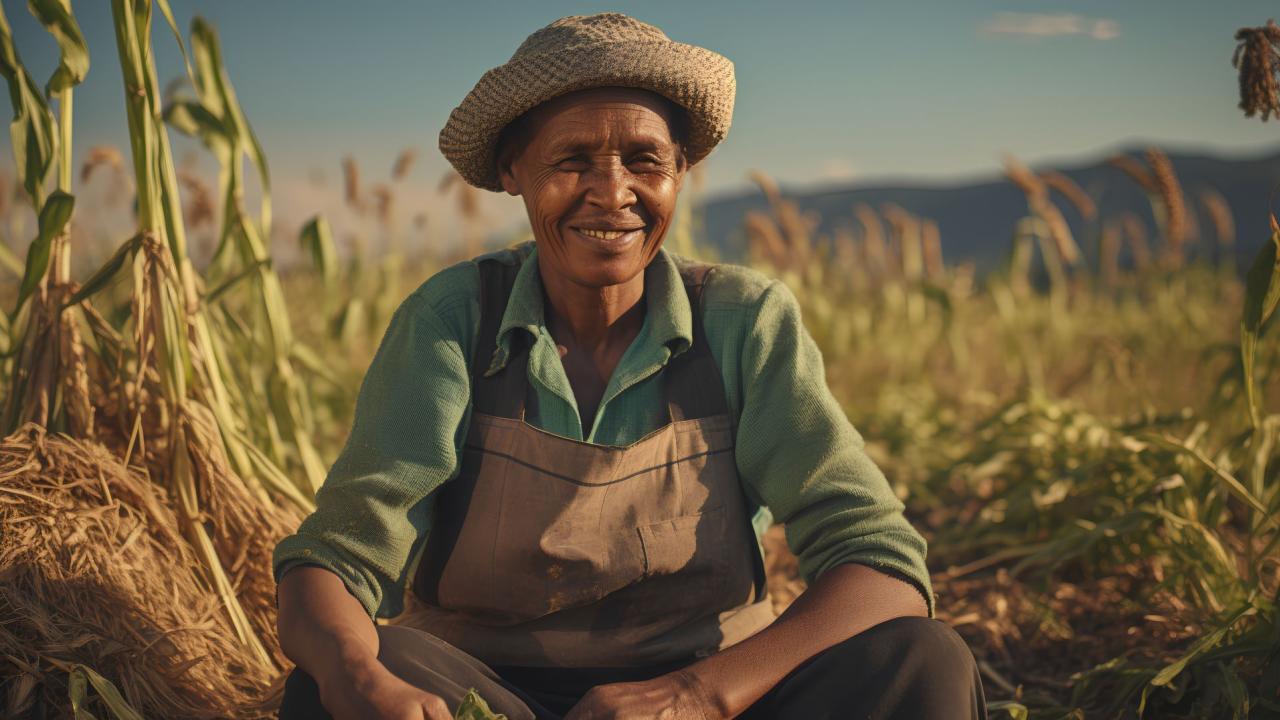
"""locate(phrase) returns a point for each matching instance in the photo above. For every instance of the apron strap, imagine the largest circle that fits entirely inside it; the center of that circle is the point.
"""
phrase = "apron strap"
(502, 394)
(694, 388)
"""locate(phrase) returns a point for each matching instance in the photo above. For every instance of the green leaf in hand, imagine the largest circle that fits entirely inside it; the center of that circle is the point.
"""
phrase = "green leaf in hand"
(473, 707)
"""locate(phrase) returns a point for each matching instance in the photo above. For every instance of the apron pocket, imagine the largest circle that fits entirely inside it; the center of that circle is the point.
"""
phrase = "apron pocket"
(566, 567)
(691, 548)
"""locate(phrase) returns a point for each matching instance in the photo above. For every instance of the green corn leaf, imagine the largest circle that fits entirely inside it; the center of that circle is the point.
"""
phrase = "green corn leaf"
(32, 130)
(191, 118)
(107, 272)
(77, 687)
(1262, 292)
(309, 361)
(77, 691)
(10, 261)
(317, 240)
(73, 65)
(177, 35)
(249, 271)
(53, 218)
(219, 97)
(473, 707)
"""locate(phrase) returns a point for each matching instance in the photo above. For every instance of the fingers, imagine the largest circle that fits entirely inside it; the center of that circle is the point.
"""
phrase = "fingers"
(435, 708)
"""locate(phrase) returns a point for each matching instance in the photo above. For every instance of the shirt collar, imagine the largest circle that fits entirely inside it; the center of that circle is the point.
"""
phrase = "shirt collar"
(670, 319)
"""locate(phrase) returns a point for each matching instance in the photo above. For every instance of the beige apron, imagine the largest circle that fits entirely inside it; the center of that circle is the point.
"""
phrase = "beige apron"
(548, 551)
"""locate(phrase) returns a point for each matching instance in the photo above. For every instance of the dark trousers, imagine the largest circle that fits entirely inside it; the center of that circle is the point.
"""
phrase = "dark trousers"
(904, 669)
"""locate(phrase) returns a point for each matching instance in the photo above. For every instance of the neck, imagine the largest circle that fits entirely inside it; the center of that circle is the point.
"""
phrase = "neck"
(593, 317)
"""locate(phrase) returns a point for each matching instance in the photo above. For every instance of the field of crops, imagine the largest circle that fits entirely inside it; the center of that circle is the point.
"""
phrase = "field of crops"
(1091, 448)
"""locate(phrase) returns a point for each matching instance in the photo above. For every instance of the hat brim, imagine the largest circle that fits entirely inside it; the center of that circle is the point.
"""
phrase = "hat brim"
(697, 79)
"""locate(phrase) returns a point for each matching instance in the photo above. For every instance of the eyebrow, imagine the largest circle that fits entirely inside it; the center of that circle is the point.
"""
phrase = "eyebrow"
(643, 141)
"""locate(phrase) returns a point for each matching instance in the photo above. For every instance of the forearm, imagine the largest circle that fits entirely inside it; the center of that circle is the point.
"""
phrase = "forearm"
(843, 602)
(323, 628)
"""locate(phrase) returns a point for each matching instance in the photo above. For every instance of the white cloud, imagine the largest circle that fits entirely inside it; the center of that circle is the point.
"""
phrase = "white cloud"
(838, 169)
(1042, 25)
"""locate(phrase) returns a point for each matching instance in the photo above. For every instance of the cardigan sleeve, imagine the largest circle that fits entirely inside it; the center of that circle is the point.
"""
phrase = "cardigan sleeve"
(803, 459)
(375, 507)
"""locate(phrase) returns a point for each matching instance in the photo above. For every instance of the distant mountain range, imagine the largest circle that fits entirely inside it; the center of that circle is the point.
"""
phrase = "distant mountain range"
(976, 218)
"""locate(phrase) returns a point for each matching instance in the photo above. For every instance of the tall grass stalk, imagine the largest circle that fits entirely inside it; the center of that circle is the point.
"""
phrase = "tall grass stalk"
(165, 299)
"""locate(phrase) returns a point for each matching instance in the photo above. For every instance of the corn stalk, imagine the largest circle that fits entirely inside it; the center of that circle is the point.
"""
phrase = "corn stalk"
(48, 384)
(170, 327)
(215, 117)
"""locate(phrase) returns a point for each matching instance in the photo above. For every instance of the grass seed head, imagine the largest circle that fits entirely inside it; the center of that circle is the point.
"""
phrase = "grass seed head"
(1025, 180)
(873, 238)
(1224, 225)
(1109, 261)
(1136, 172)
(201, 209)
(1072, 192)
(1257, 58)
(101, 156)
(931, 242)
(351, 184)
(1136, 233)
(404, 163)
(1169, 191)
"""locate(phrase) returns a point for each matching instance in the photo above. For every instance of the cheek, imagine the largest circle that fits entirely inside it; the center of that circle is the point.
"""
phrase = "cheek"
(660, 197)
(548, 201)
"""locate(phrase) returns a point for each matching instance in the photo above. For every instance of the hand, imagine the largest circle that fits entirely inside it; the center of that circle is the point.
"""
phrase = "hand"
(372, 692)
(674, 696)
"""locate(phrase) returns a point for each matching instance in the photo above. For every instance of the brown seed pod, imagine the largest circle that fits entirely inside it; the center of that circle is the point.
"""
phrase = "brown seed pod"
(1072, 192)
(404, 163)
(1224, 225)
(1169, 191)
(351, 184)
(1257, 58)
(1136, 172)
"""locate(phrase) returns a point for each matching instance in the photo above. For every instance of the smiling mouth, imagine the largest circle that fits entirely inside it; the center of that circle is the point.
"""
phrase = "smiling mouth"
(605, 234)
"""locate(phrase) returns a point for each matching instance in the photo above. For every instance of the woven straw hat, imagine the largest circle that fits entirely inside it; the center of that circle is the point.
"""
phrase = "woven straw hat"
(586, 51)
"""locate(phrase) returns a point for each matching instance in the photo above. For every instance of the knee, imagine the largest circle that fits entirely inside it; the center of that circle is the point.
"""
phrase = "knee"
(930, 656)
(926, 641)
(301, 697)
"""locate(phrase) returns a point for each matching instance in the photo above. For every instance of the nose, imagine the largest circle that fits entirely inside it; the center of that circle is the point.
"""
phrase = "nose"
(609, 185)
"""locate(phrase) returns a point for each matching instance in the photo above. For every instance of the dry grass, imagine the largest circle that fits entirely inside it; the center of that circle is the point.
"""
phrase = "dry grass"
(94, 570)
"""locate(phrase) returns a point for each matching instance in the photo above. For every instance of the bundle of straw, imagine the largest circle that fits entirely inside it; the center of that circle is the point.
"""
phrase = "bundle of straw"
(94, 571)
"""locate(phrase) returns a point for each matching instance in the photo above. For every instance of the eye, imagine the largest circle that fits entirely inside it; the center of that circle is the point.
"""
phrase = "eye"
(647, 160)
(572, 162)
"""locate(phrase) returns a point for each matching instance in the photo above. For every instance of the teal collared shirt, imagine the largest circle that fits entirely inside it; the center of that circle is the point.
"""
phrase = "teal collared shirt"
(798, 457)
(664, 333)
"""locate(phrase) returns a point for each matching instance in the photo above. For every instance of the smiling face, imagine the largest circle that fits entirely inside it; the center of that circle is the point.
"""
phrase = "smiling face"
(599, 171)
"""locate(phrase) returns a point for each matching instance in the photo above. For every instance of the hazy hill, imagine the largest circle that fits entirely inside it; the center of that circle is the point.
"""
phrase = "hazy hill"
(976, 217)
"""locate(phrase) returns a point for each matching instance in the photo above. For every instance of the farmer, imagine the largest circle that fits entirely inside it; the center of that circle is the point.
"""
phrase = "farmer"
(567, 450)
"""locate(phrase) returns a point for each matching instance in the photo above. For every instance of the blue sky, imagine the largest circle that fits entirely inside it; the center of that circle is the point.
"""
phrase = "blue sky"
(826, 90)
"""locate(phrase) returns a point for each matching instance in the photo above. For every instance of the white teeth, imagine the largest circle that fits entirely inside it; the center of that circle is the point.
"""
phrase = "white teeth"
(602, 234)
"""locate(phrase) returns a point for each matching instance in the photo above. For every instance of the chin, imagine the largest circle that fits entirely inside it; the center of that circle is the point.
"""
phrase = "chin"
(615, 271)
(593, 269)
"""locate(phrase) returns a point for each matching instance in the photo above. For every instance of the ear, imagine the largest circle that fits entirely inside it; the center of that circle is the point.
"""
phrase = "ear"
(682, 168)
(506, 175)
